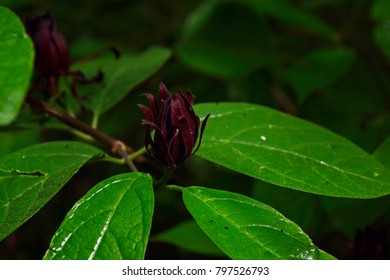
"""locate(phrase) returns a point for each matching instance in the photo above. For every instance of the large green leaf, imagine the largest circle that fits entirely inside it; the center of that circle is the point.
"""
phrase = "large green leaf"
(16, 65)
(244, 228)
(112, 221)
(318, 70)
(290, 152)
(29, 178)
(119, 76)
(188, 236)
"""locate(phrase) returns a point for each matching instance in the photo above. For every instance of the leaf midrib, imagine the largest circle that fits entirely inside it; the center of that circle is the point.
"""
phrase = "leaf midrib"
(244, 232)
(110, 216)
(294, 154)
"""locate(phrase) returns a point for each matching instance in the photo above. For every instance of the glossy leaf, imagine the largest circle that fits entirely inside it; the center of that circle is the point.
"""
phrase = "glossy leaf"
(318, 70)
(289, 152)
(29, 178)
(112, 221)
(244, 228)
(16, 65)
(119, 76)
(188, 236)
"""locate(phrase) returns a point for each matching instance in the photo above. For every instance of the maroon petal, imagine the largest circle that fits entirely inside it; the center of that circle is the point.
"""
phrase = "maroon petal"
(164, 92)
(153, 104)
(201, 133)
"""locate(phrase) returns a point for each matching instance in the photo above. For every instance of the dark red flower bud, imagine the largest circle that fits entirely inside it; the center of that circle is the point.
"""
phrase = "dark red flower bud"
(52, 56)
(175, 126)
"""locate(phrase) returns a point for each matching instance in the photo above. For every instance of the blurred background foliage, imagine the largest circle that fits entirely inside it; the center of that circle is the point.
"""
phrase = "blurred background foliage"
(326, 61)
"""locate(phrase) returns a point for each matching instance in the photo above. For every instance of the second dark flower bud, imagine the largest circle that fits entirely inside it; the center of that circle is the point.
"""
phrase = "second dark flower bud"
(52, 56)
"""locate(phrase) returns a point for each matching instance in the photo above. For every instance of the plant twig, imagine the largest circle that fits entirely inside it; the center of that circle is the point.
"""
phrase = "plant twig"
(121, 149)
(117, 146)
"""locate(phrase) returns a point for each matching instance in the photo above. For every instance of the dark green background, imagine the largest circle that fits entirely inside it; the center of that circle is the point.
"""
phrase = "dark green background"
(354, 103)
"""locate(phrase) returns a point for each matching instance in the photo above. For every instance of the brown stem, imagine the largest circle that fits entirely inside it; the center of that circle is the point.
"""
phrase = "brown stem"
(121, 149)
(117, 146)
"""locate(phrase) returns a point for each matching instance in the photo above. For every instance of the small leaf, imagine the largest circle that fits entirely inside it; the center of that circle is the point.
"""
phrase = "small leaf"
(29, 178)
(188, 236)
(289, 152)
(119, 76)
(16, 65)
(318, 70)
(112, 221)
(244, 228)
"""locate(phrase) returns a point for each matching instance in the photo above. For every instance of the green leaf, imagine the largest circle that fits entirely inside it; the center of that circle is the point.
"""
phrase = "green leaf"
(289, 152)
(120, 76)
(227, 49)
(224, 62)
(380, 13)
(112, 221)
(29, 178)
(16, 65)
(380, 10)
(382, 38)
(244, 228)
(383, 152)
(317, 70)
(231, 39)
(325, 256)
(287, 13)
(188, 236)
